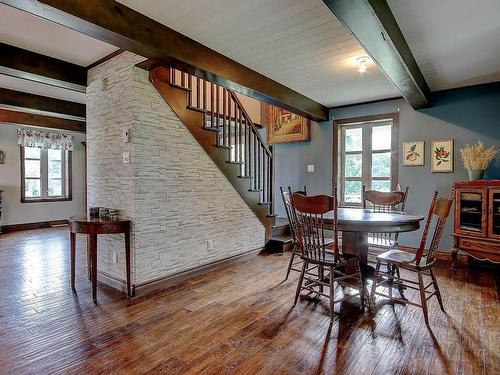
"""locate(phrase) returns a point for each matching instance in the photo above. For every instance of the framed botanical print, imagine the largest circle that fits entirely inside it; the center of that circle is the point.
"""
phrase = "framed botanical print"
(442, 156)
(286, 127)
(413, 153)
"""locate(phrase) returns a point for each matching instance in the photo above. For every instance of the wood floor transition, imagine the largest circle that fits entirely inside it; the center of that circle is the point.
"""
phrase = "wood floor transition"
(237, 319)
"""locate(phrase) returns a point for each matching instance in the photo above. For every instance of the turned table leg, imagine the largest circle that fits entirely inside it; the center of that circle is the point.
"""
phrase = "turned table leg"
(93, 251)
(127, 261)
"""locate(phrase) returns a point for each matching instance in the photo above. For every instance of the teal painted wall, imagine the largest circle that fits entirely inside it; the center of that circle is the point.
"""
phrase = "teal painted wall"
(465, 115)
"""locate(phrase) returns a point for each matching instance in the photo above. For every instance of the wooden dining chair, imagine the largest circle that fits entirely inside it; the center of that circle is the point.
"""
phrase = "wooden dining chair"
(286, 195)
(420, 263)
(315, 247)
(381, 201)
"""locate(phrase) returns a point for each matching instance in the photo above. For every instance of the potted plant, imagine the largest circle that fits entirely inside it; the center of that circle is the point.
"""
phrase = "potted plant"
(476, 159)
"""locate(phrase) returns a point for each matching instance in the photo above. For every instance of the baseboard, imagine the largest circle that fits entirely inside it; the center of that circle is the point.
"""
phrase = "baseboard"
(171, 280)
(28, 226)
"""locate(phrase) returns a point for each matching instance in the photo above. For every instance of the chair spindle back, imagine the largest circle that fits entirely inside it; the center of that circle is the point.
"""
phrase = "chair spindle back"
(286, 195)
(310, 224)
(440, 208)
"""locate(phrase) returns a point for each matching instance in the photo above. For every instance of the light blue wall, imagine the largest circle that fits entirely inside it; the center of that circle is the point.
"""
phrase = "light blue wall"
(465, 115)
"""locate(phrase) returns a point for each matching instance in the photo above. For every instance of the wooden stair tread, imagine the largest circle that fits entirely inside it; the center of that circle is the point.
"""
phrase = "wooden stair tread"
(285, 238)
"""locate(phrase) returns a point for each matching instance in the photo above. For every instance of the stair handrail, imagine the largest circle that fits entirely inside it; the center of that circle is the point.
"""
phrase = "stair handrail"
(250, 122)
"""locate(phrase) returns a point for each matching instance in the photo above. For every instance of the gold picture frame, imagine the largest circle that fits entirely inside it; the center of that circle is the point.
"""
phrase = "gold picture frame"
(442, 156)
(413, 153)
(283, 126)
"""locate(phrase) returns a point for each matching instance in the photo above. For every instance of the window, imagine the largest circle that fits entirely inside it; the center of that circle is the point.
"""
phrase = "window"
(367, 155)
(45, 174)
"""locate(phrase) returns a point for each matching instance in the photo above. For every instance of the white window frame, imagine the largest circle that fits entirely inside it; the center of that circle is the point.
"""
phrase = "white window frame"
(44, 177)
(366, 124)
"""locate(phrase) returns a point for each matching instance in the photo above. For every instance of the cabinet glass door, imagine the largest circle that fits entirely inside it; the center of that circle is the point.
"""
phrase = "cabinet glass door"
(471, 213)
(494, 222)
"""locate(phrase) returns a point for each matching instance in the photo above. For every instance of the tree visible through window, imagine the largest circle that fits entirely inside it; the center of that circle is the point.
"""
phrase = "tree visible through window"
(45, 174)
(366, 158)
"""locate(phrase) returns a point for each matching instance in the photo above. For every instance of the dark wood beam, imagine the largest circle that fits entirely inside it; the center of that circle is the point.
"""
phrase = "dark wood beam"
(116, 24)
(374, 26)
(24, 118)
(41, 103)
(25, 64)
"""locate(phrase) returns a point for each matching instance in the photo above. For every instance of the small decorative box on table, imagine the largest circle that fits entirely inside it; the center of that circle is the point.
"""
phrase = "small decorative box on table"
(477, 220)
(92, 226)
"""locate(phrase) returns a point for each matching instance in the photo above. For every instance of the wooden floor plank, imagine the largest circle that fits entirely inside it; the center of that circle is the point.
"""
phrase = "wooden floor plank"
(237, 319)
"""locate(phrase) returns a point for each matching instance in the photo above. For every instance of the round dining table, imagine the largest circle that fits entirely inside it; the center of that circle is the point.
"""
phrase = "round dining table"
(356, 223)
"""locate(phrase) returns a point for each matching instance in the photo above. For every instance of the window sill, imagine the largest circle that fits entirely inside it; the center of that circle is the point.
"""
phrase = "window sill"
(45, 200)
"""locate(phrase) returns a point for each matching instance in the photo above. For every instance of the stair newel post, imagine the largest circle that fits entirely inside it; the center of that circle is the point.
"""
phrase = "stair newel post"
(236, 143)
(255, 164)
(271, 184)
(245, 169)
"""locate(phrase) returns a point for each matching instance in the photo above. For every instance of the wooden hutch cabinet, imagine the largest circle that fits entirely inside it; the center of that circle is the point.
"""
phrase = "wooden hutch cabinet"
(477, 220)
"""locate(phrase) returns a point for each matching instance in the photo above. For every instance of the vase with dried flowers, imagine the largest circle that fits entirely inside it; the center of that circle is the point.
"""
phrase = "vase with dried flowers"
(476, 159)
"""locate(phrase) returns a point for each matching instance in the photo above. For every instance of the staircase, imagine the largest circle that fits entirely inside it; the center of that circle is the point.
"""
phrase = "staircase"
(219, 122)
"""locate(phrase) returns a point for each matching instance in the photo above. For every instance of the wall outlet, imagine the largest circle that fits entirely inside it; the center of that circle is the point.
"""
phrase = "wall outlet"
(210, 245)
(126, 135)
(115, 257)
(310, 168)
(126, 157)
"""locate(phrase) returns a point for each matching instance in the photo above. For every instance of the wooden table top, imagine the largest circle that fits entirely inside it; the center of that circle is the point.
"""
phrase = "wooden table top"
(364, 220)
(95, 220)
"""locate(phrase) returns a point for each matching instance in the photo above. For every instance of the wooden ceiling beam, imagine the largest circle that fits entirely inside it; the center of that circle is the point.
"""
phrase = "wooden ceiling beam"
(374, 26)
(33, 66)
(116, 24)
(41, 103)
(23, 118)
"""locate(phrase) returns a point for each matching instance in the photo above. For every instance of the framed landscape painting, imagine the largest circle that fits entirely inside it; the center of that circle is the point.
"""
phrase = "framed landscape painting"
(413, 153)
(442, 156)
(286, 127)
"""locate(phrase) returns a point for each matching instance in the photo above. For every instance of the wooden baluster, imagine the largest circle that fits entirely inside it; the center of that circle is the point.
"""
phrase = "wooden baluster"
(183, 79)
(259, 169)
(212, 118)
(229, 131)
(205, 95)
(235, 130)
(240, 135)
(245, 170)
(254, 161)
(198, 92)
(190, 87)
(249, 173)
(224, 115)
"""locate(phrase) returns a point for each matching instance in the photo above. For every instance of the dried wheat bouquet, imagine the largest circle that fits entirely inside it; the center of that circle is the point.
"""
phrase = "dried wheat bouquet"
(477, 156)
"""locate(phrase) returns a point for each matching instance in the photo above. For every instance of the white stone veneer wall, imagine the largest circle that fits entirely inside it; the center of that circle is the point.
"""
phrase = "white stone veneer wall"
(175, 195)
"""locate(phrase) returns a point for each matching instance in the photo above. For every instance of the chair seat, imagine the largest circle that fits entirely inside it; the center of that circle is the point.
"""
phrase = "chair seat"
(330, 260)
(396, 256)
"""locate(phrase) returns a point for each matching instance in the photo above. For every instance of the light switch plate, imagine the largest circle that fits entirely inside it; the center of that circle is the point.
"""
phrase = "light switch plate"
(126, 157)
(310, 168)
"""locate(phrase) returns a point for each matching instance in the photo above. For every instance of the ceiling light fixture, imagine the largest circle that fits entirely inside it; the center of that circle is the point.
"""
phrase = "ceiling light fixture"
(362, 62)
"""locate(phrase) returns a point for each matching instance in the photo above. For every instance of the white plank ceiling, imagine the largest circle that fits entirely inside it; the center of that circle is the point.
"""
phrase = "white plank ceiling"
(456, 43)
(298, 43)
(24, 30)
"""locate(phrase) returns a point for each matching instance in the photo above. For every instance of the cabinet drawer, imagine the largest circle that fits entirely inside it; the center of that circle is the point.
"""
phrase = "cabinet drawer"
(480, 248)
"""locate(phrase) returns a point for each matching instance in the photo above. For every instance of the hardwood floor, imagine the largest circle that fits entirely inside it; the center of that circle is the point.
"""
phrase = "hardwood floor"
(238, 319)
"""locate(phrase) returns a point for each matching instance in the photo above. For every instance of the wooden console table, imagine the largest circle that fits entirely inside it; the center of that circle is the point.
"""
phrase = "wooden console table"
(92, 227)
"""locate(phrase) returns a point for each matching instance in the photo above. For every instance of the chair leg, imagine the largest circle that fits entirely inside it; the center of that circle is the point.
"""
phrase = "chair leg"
(321, 276)
(361, 286)
(423, 300)
(299, 284)
(392, 272)
(332, 293)
(374, 282)
(292, 257)
(438, 293)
